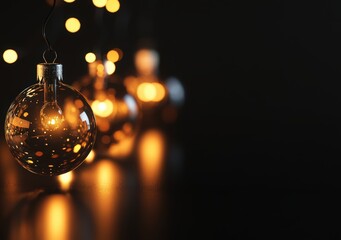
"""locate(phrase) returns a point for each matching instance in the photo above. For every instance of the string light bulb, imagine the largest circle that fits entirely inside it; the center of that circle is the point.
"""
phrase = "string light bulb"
(50, 127)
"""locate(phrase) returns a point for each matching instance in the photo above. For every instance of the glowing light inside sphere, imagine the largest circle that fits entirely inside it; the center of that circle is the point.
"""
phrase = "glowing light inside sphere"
(51, 116)
(90, 57)
(72, 25)
(50, 127)
(10, 56)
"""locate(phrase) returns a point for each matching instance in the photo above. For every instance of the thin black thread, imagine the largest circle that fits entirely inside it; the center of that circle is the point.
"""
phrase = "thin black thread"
(49, 47)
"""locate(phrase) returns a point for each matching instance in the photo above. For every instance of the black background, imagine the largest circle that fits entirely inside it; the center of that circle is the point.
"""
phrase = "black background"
(261, 121)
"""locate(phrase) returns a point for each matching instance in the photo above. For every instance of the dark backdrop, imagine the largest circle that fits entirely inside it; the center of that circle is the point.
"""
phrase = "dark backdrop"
(261, 122)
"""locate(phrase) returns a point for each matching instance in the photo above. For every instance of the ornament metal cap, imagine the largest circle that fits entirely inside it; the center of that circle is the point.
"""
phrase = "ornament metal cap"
(49, 72)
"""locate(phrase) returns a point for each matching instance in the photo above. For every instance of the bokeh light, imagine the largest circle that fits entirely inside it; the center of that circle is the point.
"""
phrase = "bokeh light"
(151, 92)
(10, 56)
(113, 55)
(112, 6)
(99, 3)
(72, 25)
(90, 57)
(69, 1)
(110, 67)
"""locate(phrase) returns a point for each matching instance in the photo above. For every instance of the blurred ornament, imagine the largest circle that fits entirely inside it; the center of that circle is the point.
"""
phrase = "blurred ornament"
(145, 85)
(49, 127)
(116, 111)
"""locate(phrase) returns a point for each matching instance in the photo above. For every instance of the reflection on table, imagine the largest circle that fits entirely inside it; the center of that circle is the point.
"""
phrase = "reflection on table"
(115, 197)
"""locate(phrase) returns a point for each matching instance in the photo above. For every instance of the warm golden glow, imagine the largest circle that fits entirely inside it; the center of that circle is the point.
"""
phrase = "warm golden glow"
(72, 25)
(90, 57)
(71, 113)
(151, 92)
(160, 92)
(151, 153)
(99, 3)
(112, 6)
(91, 157)
(113, 55)
(76, 148)
(102, 108)
(65, 180)
(122, 148)
(69, 1)
(146, 61)
(103, 124)
(100, 72)
(10, 56)
(110, 67)
(54, 218)
(51, 116)
(146, 92)
(108, 179)
(19, 122)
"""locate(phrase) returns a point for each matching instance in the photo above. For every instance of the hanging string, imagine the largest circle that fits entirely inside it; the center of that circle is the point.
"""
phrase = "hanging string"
(49, 47)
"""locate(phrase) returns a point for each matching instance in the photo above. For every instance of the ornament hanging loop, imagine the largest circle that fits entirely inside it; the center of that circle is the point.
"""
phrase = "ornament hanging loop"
(49, 47)
(51, 53)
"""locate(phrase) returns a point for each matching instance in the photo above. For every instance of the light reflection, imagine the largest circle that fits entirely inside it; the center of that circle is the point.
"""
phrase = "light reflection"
(122, 148)
(151, 154)
(176, 91)
(55, 218)
(10, 176)
(91, 157)
(65, 180)
(105, 177)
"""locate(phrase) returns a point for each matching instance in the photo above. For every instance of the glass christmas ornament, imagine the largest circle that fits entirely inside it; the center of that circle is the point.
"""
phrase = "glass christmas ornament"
(50, 128)
(145, 84)
(116, 111)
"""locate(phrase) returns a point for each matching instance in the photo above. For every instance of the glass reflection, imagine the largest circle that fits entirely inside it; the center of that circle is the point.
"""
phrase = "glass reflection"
(151, 156)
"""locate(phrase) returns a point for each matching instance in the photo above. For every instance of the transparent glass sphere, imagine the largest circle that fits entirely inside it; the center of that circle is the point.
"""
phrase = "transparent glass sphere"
(117, 112)
(50, 138)
(116, 132)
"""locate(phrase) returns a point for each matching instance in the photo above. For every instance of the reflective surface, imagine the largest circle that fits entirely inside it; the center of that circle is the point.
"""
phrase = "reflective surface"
(43, 149)
(101, 199)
